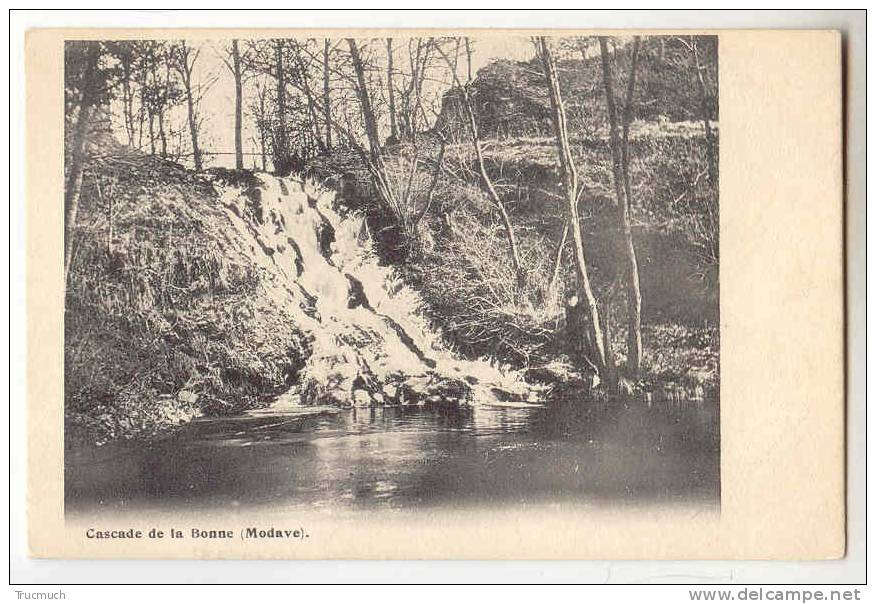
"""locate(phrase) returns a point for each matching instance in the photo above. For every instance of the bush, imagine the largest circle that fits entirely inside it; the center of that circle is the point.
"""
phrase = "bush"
(463, 269)
(470, 287)
(164, 320)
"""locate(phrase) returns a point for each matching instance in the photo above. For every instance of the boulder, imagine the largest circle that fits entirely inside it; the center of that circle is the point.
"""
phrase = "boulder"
(390, 391)
(187, 396)
(361, 398)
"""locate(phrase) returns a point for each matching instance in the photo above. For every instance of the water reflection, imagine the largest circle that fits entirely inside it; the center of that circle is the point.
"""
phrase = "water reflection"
(414, 457)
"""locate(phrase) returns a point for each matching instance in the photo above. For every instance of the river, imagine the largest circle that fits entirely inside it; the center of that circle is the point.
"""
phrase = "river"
(412, 458)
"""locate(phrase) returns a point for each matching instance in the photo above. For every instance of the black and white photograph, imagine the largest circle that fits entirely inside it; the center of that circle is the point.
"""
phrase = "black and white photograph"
(391, 274)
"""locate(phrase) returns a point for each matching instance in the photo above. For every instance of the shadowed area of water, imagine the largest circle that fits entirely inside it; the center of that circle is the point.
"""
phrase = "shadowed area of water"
(413, 458)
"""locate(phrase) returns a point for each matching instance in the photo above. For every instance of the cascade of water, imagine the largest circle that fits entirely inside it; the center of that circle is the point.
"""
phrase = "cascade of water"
(370, 345)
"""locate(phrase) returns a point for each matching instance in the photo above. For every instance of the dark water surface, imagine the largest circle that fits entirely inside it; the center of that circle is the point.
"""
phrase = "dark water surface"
(411, 458)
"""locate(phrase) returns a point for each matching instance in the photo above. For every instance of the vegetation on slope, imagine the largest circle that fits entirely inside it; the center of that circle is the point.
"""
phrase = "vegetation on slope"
(464, 275)
(165, 318)
(192, 293)
(213, 294)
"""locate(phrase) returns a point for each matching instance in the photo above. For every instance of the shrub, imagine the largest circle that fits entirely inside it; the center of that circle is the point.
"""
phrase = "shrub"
(164, 319)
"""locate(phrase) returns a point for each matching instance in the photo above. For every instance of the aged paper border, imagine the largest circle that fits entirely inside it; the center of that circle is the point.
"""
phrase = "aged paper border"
(782, 348)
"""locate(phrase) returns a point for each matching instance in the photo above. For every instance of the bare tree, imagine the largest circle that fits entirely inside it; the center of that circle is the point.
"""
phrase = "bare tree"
(238, 106)
(281, 146)
(164, 94)
(375, 158)
(234, 63)
(411, 116)
(484, 178)
(263, 123)
(296, 120)
(628, 250)
(397, 198)
(390, 86)
(628, 117)
(123, 51)
(569, 177)
(365, 103)
(147, 90)
(186, 57)
(326, 95)
(468, 53)
(302, 82)
(87, 90)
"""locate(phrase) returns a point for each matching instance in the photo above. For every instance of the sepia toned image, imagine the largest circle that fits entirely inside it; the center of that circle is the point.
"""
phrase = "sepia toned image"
(407, 273)
(434, 294)
(396, 273)
(303, 298)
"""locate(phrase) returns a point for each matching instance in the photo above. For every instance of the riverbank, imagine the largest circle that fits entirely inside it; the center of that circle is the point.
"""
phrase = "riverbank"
(167, 316)
(211, 294)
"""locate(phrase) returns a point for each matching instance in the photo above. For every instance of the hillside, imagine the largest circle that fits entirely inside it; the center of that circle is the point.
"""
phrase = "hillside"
(211, 294)
(216, 291)
(462, 269)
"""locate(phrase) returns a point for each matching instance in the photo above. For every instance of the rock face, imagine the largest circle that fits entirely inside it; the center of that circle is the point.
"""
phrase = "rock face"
(510, 97)
(368, 343)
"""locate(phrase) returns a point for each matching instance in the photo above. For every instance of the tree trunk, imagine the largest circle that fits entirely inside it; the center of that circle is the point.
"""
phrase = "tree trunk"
(193, 125)
(165, 95)
(162, 135)
(312, 107)
(393, 127)
(160, 104)
(558, 261)
(468, 53)
(141, 116)
(262, 125)
(705, 114)
(326, 96)
(418, 96)
(281, 151)
(628, 118)
(436, 174)
(628, 250)
(127, 100)
(375, 159)
(569, 177)
(486, 182)
(490, 189)
(238, 106)
(73, 185)
(152, 148)
(365, 102)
